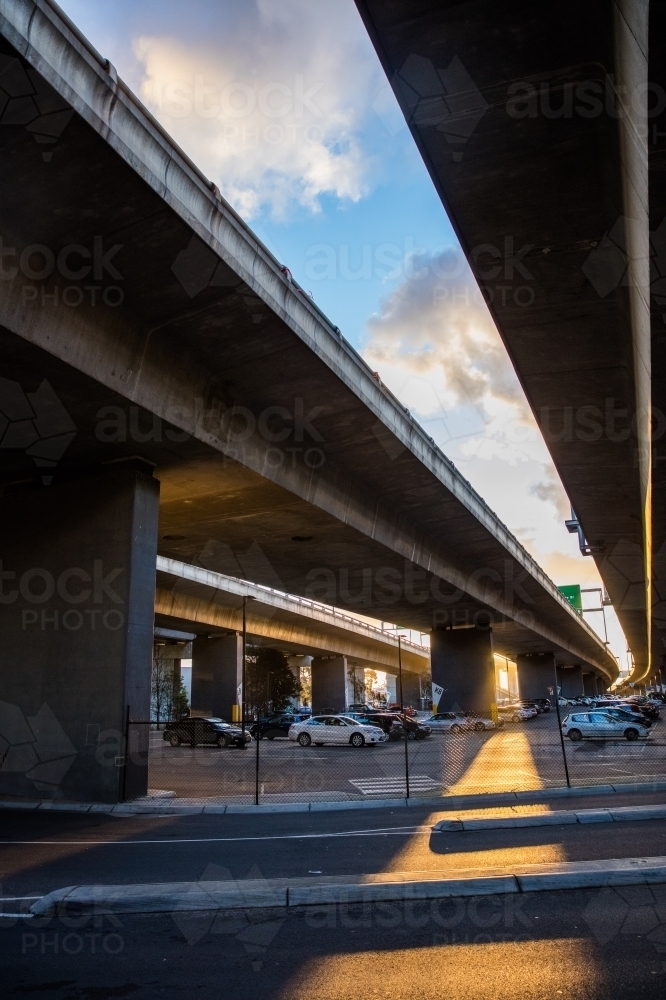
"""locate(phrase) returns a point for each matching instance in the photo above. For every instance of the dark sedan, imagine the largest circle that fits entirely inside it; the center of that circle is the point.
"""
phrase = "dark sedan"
(205, 732)
(276, 725)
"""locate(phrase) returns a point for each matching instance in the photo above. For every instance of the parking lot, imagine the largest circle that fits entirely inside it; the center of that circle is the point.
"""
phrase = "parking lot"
(525, 755)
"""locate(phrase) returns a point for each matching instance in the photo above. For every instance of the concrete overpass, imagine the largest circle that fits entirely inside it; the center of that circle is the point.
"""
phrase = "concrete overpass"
(209, 605)
(535, 131)
(168, 389)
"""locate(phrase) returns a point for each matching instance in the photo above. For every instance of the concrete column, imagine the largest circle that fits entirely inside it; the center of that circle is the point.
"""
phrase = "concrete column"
(463, 664)
(391, 688)
(572, 682)
(76, 618)
(329, 684)
(536, 673)
(411, 690)
(217, 674)
(589, 685)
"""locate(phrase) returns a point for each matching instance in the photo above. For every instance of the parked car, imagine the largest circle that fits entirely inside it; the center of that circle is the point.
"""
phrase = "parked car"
(321, 729)
(622, 713)
(515, 713)
(275, 725)
(204, 732)
(389, 722)
(601, 725)
(479, 722)
(531, 703)
(458, 722)
(395, 707)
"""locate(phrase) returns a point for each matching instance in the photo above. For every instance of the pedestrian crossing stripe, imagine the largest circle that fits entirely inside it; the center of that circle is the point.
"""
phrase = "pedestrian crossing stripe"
(374, 786)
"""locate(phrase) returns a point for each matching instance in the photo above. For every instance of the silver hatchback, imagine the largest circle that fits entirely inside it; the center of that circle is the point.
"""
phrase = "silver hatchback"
(601, 725)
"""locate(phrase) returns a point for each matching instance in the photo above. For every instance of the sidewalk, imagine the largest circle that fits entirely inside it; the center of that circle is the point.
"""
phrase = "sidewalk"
(164, 804)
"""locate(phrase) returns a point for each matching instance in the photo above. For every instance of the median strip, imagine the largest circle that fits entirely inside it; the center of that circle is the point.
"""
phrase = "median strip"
(558, 817)
(385, 887)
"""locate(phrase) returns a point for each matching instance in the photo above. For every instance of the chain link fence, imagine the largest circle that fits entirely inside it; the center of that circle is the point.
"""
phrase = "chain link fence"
(216, 760)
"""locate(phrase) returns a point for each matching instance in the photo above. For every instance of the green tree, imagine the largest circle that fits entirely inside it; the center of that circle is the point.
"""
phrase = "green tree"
(270, 683)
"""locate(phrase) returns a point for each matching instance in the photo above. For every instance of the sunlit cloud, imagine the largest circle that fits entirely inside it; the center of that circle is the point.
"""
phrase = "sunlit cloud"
(270, 110)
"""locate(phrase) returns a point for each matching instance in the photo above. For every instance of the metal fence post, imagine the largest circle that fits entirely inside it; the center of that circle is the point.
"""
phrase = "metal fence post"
(123, 777)
(559, 727)
(404, 718)
(256, 764)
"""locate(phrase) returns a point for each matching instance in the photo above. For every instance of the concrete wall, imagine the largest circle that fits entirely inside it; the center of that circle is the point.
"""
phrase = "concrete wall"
(217, 671)
(76, 619)
(463, 664)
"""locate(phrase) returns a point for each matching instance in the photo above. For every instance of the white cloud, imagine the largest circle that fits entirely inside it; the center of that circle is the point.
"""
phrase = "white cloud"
(272, 109)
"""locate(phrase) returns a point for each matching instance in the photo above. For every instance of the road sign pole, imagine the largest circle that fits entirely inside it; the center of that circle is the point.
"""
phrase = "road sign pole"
(559, 727)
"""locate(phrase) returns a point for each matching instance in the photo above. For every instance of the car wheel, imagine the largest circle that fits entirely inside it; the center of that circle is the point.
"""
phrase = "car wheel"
(575, 735)
(304, 739)
(478, 726)
(222, 742)
(455, 728)
(515, 718)
(357, 739)
(174, 740)
(631, 734)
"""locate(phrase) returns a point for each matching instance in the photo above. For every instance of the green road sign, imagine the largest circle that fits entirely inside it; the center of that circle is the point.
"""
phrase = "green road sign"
(573, 596)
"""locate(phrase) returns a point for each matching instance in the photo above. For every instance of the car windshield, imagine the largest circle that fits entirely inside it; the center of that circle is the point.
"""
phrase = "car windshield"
(219, 723)
(348, 719)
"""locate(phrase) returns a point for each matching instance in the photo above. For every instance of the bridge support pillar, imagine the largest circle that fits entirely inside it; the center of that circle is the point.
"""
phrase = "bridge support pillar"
(589, 685)
(572, 682)
(217, 674)
(411, 690)
(329, 684)
(536, 673)
(463, 664)
(76, 618)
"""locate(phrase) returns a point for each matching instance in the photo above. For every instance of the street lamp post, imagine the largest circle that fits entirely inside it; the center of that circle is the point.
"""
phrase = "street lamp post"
(245, 600)
(404, 717)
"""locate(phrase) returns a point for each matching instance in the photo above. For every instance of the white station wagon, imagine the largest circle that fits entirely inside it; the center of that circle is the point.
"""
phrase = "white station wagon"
(601, 725)
(321, 729)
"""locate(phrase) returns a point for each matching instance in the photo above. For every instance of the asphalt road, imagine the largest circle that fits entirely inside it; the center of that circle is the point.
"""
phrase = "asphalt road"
(577, 945)
(520, 756)
(40, 852)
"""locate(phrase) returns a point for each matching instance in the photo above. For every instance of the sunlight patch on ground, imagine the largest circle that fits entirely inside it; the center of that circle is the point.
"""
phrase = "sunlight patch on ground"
(526, 968)
(503, 763)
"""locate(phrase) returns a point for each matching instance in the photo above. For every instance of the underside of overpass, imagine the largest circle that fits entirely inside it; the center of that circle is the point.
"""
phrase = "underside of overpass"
(167, 389)
(532, 123)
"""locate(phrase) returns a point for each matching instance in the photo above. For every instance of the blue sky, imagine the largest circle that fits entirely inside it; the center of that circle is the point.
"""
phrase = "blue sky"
(284, 105)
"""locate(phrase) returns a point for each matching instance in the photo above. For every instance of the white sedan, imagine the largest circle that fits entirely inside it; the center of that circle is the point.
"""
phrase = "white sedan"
(602, 726)
(321, 729)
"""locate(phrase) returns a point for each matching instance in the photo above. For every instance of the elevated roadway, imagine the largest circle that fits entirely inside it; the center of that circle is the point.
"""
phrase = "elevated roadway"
(534, 125)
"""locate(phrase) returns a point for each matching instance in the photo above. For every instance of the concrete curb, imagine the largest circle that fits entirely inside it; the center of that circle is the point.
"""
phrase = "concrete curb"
(557, 818)
(253, 894)
(442, 802)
